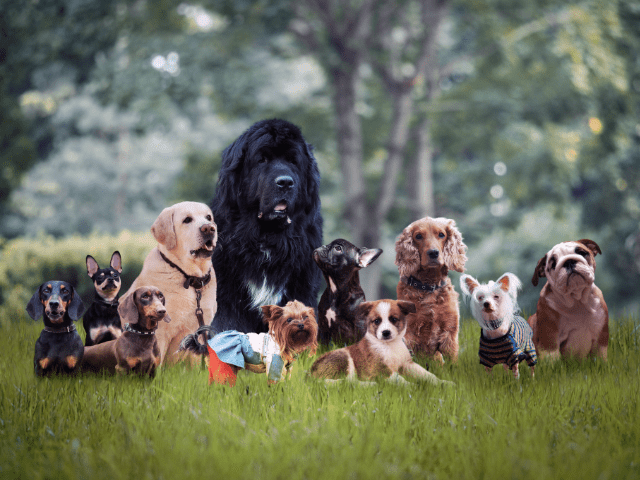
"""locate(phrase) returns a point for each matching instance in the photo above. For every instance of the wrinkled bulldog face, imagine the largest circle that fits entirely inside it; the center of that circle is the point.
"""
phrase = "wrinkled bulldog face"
(570, 267)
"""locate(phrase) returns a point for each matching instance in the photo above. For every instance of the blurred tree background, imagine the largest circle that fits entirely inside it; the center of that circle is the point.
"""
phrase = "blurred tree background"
(520, 120)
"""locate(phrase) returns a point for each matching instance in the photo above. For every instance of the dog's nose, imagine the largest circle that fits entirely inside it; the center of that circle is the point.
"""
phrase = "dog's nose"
(570, 264)
(386, 333)
(53, 305)
(208, 228)
(487, 304)
(300, 326)
(433, 253)
(284, 182)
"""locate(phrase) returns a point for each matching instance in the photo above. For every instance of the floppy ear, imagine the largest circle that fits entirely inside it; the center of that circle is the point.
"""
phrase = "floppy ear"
(271, 313)
(406, 307)
(76, 308)
(591, 245)
(366, 256)
(468, 284)
(407, 256)
(163, 229)
(128, 310)
(363, 309)
(539, 271)
(92, 266)
(454, 249)
(35, 308)
(510, 283)
(116, 261)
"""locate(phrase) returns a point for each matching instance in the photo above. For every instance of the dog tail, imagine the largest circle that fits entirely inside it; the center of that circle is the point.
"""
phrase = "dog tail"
(190, 342)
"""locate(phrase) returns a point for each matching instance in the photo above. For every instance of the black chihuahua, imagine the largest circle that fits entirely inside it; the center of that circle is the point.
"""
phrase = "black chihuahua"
(340, 262)
(101, 321)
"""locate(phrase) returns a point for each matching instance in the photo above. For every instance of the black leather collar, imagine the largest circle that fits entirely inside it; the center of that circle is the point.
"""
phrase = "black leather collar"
(101, 300)
(131, 329)
(68, 329)
(190, 280)
(425, 287)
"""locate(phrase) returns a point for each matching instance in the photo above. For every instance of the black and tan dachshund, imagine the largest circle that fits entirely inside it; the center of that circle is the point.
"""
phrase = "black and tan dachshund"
(59, 348)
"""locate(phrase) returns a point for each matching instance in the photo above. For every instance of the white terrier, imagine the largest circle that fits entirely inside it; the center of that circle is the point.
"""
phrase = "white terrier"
(506, 338)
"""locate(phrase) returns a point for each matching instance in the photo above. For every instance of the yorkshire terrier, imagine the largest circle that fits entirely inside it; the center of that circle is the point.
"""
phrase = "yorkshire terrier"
(292, 330)
(506, 338)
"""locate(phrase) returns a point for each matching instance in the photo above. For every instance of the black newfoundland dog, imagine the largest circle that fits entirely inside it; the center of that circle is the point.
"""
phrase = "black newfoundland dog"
(267, 208)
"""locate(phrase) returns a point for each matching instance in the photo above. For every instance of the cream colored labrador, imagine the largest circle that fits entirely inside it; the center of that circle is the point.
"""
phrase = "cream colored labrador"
(180, 266)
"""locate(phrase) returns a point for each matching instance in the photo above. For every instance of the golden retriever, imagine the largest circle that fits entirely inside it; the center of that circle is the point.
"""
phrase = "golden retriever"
(180, 266)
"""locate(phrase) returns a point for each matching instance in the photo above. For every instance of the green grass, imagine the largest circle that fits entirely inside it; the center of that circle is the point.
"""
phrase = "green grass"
(575, 420)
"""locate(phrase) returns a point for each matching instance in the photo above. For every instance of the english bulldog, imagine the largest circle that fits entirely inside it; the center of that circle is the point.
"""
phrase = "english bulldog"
(571, 319)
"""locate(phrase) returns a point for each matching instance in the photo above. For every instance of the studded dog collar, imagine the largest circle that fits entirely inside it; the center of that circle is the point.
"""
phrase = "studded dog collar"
(129, 328)
(425, 287)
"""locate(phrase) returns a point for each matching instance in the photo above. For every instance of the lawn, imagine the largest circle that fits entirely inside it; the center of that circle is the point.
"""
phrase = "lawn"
(574, 420)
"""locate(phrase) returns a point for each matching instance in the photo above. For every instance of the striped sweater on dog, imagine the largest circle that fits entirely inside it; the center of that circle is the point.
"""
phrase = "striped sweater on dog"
(511, 348)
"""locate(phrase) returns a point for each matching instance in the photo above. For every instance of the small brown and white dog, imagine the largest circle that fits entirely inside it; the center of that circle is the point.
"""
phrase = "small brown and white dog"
(292, 330)
(425, 252)
(571, 319)
(180, 266)
(136, 350)
(382, 351)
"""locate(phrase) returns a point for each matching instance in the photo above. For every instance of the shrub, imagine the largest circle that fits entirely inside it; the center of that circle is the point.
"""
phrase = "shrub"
(25, 263)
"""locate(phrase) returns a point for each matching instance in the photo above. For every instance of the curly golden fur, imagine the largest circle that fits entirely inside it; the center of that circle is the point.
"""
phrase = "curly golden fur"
(425, 252)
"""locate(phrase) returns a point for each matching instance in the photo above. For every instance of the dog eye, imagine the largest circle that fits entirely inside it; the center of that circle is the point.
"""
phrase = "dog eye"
(393, 320)
(480, 298)
(377, 321)
(187, 220)
(289, 320)
(582, 252)
(553, 263)
(419, 236)
(208, 217)
(262, 160)
(441, 235)
(338, 248)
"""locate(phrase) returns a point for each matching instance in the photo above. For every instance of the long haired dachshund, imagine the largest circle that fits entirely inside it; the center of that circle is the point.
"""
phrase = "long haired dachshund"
(425, 252)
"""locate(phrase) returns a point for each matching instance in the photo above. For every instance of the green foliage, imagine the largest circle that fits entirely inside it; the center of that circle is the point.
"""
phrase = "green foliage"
(27, 263)
(574, 420)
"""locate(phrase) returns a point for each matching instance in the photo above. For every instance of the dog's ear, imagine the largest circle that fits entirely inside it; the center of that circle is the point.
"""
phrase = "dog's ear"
(539, 271)
(163, 229)
(407, 255)
(92, 266)
(363, 309)
(591, 245)
(454, 248)
(76, 307)
(35, 308)
(116, 261)
(366, 256)
(128, 310)
(468, 284)
(271, 313)
(510, 283)
(406, 307)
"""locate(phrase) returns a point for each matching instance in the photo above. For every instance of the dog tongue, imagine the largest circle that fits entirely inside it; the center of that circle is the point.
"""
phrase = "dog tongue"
(281, 207)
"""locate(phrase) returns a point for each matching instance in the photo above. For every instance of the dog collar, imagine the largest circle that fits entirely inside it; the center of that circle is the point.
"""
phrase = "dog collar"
(190, 280)
(129, 328)
(68, 329)
(427, 287)
(101, 300)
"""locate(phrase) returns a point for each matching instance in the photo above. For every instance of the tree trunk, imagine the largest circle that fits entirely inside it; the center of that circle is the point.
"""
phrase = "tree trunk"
(420, 178)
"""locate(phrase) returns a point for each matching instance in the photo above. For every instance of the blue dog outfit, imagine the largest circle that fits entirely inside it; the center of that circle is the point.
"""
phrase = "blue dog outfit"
(255, 351)
(512, 348)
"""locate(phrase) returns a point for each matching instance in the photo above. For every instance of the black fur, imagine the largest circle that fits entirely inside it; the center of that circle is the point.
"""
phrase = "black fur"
(190, 342)
(340, 263)
(57, 346)
(259, 243)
